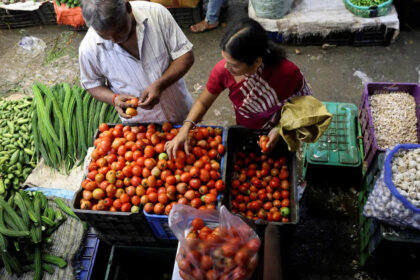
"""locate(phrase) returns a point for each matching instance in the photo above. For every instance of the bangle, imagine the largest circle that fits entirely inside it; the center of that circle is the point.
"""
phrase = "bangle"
(113, 99)
(193, 123)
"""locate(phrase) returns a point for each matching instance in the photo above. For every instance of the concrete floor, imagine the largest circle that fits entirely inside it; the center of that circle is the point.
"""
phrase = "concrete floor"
(325, 244)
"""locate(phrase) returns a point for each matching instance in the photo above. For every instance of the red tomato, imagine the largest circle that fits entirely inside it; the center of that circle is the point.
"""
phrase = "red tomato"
(195, 183)
(126, 207)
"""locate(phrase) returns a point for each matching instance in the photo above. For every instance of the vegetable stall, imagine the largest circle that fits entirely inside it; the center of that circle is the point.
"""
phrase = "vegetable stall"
(204, 213)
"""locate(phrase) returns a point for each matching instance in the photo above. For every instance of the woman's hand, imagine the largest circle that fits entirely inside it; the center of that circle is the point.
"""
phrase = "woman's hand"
(180, 140)
(121, 104)
(273, 138)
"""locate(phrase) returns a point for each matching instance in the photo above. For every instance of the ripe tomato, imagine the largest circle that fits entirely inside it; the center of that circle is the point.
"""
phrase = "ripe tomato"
(149, 151)
(159, 208)
(284, 185)
(126, 207)
(197, 224)
(195, 183)
(209, 198)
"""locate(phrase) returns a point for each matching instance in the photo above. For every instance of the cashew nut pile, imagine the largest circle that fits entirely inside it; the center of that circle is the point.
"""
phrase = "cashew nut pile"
(394, 118)
(406, 174)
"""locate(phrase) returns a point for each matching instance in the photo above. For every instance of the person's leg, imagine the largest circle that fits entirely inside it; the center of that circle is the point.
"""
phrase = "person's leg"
(213, 10)
(212, 17)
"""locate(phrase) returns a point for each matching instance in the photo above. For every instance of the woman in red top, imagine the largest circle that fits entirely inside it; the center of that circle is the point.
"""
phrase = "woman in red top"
(259, 78)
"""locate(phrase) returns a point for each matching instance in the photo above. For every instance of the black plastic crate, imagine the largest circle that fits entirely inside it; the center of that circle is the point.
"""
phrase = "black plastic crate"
(380, 36)
(240, 138)
(134, 262)
(116, 227)
(186, 17)
(17, 19)
(47, 14)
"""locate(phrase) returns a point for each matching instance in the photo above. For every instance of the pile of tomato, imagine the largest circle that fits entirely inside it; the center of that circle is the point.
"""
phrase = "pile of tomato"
(130, 168)
(218, 253)
(261, 187)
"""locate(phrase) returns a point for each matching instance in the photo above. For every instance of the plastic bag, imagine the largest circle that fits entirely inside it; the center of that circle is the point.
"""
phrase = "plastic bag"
(386, 203)
(31, 46)
(223, 247)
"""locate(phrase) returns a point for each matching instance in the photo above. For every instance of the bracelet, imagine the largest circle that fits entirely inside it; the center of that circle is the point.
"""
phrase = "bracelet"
(113, 99)
(193, 123)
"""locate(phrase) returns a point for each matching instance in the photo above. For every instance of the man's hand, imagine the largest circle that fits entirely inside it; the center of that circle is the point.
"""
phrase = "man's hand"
(273, 138)
(121, 103)
(150, 97)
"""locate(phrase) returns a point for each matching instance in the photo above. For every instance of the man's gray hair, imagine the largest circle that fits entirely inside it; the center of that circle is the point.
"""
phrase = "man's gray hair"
(103, 14)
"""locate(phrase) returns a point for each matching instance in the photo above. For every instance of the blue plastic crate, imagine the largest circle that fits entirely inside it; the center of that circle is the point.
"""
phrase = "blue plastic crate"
(159, 223)
(88, 255)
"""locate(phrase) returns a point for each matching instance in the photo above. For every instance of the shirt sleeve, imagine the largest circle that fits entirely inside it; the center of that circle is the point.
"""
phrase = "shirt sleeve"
(90, 74)
(175, 40)
(216, 81)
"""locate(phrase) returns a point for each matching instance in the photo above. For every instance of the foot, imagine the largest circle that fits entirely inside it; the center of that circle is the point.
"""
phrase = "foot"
(203, 26)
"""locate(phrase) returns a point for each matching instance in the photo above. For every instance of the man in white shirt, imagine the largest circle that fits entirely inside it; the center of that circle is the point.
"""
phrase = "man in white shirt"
(136, 49)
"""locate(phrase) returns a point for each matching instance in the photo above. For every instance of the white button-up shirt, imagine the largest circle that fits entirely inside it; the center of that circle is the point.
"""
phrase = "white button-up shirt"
(160, 41)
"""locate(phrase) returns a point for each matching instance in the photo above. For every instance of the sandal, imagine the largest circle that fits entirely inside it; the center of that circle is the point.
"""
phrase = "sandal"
(203, 26)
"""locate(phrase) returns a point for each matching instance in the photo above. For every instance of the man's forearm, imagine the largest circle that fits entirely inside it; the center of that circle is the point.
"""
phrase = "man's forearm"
(176, 70)
(102, 93)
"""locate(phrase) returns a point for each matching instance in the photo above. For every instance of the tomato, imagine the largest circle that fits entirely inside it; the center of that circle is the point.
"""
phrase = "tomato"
(189, 195)
(153, 197)
(149, 151)
(206, 263)
(197, 224)
(159, 208)
(263, 143)
(276, 216)
(85, 204)
(87, 195)
(195, 183)
(148, 207)
(283, 174)
(163, 198)
(285, 194)
(209, 198)
(126, 207)
(117, 203)
(275, 182)
(284, 185)
(196, 203)
(135, 181)
(131, 111)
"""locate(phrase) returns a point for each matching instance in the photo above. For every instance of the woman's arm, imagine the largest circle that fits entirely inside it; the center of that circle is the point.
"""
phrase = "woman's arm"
(198, 110)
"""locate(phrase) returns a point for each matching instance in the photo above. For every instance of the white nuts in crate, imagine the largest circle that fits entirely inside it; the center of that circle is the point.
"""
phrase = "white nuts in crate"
(394, 119)
(406, 174)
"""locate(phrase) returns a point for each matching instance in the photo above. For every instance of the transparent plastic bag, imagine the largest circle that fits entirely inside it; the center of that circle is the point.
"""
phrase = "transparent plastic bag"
(225, 248)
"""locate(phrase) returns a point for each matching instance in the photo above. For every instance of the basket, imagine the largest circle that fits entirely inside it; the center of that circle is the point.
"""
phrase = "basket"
(244, 139)
(371, 148)
(159, 223)
(10, 19)
(338, 148)
(379, 240)
(368, 12)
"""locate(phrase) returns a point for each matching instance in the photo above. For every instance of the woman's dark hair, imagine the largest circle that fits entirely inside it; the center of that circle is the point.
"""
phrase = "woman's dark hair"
(246, 40)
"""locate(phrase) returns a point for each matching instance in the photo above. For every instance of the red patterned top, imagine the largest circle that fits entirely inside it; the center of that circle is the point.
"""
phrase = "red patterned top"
(258, 99)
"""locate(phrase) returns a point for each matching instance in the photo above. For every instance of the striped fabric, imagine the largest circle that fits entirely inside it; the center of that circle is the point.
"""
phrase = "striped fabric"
(160, 41)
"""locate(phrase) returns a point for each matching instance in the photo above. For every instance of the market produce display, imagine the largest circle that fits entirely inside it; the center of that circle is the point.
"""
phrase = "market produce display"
(26, 224)
(406, 174)
(260, 186)
(68, 3)
(214, 245)
(394, 118)
(368, 3)
(130, 168)
(64, 122)
(16, 144)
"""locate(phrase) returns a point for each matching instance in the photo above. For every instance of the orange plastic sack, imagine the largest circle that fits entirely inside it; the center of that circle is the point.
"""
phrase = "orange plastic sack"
(214, 244)
(69, 16)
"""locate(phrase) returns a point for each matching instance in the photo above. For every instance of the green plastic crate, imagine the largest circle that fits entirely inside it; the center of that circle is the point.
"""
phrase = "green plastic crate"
(340, 144)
